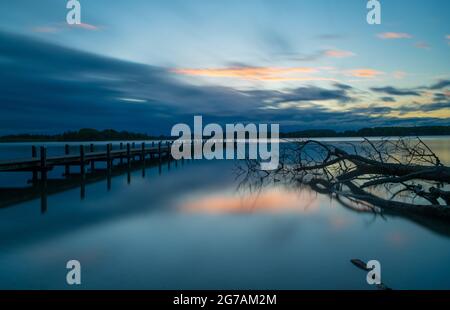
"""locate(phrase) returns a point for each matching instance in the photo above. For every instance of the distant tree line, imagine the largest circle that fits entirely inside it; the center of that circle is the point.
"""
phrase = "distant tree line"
(372, 132)
(88, 134)
(85, 134)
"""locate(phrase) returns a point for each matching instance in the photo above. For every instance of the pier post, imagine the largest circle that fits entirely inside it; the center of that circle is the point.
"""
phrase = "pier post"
(34, 155)
(108, 170)
(67, 168)
(82, 173)
(121, 156)
(92, 161)
(152, 146)
(43, 164)
(108, 156)
(143, 158)
(128, 163)
(43, 167)
(82, 170)
(128, 155)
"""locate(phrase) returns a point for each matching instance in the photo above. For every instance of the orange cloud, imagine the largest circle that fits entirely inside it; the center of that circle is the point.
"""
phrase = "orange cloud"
(394, 35)
(254, 73)
(338, 53)
(86, 26)
(365, 73)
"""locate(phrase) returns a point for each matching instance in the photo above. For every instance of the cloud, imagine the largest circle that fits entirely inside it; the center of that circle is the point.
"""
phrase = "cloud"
(424, 107)
(86, 26)
(390, 90)
(301, 94)
(338, 53)
(440, 85)
(255, 73)
(423, 45)
(365, 73)
(342, 86)
(441, 96)
(60, 27)
(394, 35)
(48, 88)
(387, 99)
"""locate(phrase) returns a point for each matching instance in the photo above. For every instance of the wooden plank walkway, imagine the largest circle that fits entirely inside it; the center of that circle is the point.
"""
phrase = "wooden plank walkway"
(43, 163)
(10, 196)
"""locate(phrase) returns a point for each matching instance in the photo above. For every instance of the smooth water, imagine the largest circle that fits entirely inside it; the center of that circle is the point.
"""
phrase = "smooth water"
(189, 228)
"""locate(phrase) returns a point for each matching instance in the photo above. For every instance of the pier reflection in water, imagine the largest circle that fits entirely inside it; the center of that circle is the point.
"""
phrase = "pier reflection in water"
(44, 186)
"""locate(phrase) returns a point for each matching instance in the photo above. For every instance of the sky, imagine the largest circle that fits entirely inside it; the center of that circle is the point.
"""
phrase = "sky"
(144, 66)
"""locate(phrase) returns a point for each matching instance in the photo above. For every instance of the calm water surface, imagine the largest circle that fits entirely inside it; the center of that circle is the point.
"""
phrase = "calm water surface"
(188, 228)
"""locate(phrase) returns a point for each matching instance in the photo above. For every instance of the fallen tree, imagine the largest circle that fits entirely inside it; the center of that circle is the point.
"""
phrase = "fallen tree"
(399, 176)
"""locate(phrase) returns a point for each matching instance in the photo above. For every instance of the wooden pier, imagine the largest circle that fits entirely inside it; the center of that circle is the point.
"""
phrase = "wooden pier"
(127, 158)
(40, 164)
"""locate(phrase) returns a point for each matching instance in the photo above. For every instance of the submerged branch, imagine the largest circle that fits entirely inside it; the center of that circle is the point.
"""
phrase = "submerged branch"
(365, 173)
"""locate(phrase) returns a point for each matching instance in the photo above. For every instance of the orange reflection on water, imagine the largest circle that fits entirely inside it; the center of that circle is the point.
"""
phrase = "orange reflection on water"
(273, 200)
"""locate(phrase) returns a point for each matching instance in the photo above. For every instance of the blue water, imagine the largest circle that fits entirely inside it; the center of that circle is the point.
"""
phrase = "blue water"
(190, 228)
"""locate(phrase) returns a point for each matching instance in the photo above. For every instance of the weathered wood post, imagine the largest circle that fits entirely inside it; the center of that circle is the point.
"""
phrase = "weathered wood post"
(82, 173)
(159, 151)
(159, 157)
(151, 152)
(108, 156)
(133, 146)
(109, 166)
(67, 167)
(128, 155)
(34, 155)
(43, 164)
(82, 162)
(143, 158)
(121, 156)
(43, 185)
(91, 149)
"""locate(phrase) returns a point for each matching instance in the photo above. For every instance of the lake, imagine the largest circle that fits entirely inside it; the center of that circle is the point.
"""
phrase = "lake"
(188, 227)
